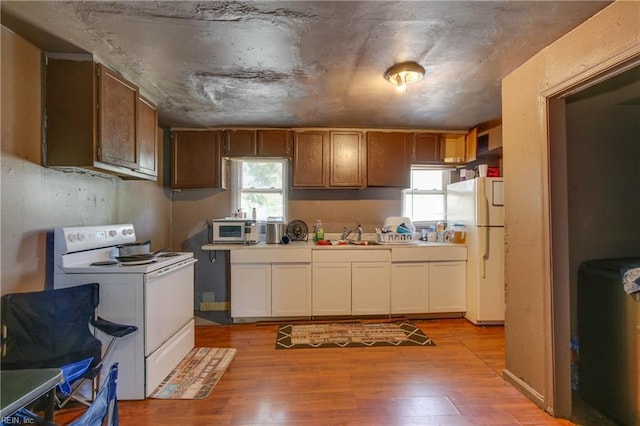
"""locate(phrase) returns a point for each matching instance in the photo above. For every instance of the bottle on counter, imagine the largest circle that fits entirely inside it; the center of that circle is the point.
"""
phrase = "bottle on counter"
(319, 231)
(440, 232)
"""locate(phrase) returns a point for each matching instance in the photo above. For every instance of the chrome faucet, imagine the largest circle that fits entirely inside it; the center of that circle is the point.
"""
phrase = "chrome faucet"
(358, 230)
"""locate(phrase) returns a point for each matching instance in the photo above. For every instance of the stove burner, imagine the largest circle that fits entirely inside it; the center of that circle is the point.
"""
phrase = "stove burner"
(105, 263)
(169, 254)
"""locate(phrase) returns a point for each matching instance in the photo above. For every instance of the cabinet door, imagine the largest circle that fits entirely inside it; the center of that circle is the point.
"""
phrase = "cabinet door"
(240, 143)
(274, 143)
(471, 145)
(147, 129)
(331, 288)
(426, 148)
(453, 148)
(389, 159)
(346, 159)
(117, 116)
(447, 287)
(370, 288)
(290, 289)
(311, 156)
(251, 290)
(196, 161)
(409, 288)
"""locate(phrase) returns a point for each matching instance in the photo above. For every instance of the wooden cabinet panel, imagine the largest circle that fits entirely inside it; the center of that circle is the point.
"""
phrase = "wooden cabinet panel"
(311, 155)
(274, 143)
(389, 159)
(117, 119)
(471, 145)
(346, 159)
(147, 137)
(196, 161)
(240, 143)
(426, 149)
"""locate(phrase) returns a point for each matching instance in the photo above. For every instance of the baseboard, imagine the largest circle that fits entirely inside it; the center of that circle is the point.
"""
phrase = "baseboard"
(215, 306)
(523, 387)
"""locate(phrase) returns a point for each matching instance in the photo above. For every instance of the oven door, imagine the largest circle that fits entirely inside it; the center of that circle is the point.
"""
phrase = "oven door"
(169, 302)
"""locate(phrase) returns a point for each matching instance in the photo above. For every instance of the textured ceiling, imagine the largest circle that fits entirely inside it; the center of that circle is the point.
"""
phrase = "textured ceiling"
(307, 63)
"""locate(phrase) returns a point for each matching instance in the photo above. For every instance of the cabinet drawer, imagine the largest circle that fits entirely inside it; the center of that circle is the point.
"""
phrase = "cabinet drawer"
(271, 255)
(355, 255)
(425, 254)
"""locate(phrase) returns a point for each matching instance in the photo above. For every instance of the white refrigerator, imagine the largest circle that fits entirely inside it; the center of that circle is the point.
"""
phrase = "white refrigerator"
(478, 204)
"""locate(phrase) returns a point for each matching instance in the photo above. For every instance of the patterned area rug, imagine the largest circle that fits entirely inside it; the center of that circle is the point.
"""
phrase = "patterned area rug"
(196, 375)
(350, 335)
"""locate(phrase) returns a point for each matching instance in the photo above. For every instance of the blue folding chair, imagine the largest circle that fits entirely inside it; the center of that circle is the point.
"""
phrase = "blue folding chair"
(104, 409)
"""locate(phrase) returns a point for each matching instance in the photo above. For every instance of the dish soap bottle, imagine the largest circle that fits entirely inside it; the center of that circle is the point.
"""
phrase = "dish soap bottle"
(319, 231)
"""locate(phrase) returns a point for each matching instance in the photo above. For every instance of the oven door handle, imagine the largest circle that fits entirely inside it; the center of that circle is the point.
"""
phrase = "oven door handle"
(170, 269)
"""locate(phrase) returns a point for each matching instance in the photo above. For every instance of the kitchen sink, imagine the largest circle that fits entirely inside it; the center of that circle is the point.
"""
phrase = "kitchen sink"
(365, 243)
(343, 243)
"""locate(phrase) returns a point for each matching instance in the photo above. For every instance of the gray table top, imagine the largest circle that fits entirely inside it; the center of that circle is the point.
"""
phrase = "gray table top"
(21, 387)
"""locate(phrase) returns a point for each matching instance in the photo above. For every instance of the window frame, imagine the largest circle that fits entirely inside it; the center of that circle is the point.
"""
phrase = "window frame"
(235, 183)
(409, 192)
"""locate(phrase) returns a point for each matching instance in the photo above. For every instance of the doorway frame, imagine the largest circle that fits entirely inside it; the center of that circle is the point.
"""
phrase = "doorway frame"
(558, 304)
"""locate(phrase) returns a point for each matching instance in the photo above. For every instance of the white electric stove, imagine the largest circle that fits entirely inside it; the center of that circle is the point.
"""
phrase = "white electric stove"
(155, 295)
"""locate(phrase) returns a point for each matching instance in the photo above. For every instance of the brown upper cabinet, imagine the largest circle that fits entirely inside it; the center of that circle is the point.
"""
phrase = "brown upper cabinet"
(471, 145)
(389, 159)
(328, 159)
(240, 143)
(147, 137)
(426, 149)
(92, 120)
(453, 148)
(196, 160)
(118, 100)
(274, 143)
(484, 142)
(310, 159)
(260, 143)
(347, 159)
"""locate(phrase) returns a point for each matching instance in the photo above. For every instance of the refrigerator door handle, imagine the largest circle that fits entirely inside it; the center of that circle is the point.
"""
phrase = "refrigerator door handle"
(484, 220)
(485, 252)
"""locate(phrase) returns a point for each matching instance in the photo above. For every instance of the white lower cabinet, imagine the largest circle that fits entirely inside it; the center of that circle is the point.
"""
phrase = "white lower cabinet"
(290, 290)
(447, 287)
(332, 288)
(270, 283)
(428, 287)
(370, 286)
(351, 282)
(251, 290)
(409, 288)
(285, 282)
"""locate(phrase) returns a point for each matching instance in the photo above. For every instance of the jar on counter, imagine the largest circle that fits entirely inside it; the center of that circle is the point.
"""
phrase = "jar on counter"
(458, 234)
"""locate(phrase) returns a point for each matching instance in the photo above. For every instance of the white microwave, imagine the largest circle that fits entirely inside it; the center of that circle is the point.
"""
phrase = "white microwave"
(233, 230)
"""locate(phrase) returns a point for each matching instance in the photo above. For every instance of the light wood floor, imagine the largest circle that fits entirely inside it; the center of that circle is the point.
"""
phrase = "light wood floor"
(456, 382)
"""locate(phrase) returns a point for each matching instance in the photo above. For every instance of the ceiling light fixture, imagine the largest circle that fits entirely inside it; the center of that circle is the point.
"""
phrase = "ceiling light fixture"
(404, 73)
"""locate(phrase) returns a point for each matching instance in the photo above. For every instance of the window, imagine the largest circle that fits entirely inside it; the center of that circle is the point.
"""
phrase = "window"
(425, 200)
(261, 184)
